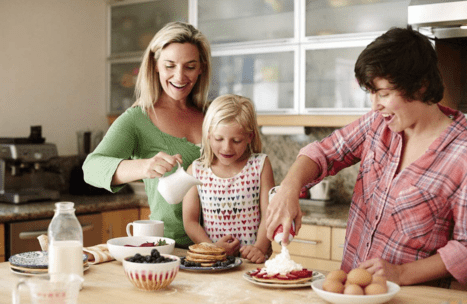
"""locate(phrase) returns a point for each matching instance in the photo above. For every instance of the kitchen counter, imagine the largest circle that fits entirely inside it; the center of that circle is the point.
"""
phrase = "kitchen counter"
(83, 205)
(107, 283)
(333, 215)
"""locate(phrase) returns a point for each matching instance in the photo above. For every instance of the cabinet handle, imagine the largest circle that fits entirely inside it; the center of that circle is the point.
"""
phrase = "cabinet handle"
(306, 242)
(34, 234)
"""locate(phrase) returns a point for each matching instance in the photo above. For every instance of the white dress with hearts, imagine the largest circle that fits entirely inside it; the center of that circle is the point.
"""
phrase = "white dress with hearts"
(231, 205)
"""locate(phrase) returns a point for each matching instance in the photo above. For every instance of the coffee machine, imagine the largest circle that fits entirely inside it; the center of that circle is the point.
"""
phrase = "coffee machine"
(25, 170)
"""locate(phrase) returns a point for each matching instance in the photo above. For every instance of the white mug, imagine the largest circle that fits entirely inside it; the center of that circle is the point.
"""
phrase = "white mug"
(320, 191)
(146, 228)
(174, 186)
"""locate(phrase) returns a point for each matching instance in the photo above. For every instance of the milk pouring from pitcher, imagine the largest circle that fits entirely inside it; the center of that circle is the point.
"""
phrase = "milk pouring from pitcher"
(65, 241)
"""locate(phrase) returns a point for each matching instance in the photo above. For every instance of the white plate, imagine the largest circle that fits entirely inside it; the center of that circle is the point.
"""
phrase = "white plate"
(338, 298)
(237, 263)
(38, 274)
(33, 259)
(316, 276)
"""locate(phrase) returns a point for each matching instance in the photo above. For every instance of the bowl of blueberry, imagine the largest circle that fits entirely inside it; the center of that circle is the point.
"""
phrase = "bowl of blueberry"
(151, 272)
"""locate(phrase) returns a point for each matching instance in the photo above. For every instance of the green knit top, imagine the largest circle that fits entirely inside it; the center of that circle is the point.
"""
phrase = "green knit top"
(134, 136)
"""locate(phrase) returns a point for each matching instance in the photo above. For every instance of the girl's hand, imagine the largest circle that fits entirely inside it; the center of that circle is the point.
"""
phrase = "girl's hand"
(230, 244)
(253, 254)
(159, 164)
(381, 267)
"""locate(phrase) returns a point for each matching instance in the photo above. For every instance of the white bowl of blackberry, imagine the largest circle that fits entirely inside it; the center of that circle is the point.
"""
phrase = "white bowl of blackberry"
(151, 272)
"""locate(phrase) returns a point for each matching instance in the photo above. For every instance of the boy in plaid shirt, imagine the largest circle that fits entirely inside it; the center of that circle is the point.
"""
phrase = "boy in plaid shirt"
(408, 216)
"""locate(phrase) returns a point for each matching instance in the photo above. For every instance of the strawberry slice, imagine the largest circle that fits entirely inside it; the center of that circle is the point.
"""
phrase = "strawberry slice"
(291, 276)
(255, 272)
(268, 277)
(282, 277)
(302, 273)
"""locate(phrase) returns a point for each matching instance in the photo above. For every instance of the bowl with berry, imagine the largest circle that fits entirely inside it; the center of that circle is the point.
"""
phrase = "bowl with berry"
(151, 272)
(122, 247)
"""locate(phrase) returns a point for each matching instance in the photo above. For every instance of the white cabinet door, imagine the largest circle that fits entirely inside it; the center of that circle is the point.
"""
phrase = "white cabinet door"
(269, 77)
(227, 21)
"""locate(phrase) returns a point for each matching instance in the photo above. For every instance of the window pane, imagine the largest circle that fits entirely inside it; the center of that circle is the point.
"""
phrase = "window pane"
(268, 79)
(328, 17)
(122, 85)
(225, 21)
(330, 79)
(134, 25)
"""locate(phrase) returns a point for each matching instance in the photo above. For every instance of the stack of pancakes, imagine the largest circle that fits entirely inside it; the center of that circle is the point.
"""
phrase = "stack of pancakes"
(206, 253)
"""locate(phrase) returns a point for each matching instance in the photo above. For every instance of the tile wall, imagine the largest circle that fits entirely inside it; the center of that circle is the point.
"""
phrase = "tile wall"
(283, 149)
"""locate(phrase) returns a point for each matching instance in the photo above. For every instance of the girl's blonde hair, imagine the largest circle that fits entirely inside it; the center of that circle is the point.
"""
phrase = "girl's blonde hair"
(148, 87)
(226, 109)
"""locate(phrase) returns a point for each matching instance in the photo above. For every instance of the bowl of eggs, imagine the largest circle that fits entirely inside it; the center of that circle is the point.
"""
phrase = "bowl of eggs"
(356, 287)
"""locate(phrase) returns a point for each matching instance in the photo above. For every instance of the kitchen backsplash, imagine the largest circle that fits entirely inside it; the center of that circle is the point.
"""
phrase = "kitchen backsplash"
(283, 150)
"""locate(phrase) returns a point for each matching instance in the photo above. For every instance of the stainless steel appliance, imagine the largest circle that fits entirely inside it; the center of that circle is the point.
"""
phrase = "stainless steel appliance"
(445, 21)
(439, 18)
(22, 236)
(24, 170)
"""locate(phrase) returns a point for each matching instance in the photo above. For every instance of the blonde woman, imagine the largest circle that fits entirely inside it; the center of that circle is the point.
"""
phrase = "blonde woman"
(236, 179)
(164, 124)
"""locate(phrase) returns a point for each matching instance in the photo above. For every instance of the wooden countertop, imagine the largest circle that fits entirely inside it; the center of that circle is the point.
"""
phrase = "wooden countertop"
(107, 283)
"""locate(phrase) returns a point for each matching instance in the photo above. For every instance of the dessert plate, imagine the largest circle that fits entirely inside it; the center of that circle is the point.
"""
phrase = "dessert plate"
(275, 284)
(33, 259)
(238, 262)
(34, 273)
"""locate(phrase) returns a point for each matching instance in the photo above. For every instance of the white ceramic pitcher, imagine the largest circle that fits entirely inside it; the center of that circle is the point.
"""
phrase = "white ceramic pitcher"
(174, 186)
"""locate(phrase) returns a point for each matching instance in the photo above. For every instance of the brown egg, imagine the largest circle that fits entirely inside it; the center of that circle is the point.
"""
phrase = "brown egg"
(353, 289)
(379, 280)
(338, 275)
(359, 276)
(374, 289)
(333, 286)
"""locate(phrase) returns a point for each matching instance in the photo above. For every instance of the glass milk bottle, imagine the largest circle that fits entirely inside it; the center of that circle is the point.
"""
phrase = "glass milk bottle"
(65, 241)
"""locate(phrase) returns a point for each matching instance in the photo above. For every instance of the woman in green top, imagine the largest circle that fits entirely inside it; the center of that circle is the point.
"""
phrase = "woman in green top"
(162, 127)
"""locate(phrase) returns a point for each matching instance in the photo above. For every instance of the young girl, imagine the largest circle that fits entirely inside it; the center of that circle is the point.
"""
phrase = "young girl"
(236, 179)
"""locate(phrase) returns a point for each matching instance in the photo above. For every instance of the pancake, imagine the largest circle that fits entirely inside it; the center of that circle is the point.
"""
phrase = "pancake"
(207, 248)
(208, 257)
(288, 281)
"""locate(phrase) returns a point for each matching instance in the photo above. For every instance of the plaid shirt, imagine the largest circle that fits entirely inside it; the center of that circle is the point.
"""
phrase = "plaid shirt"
(406, 216)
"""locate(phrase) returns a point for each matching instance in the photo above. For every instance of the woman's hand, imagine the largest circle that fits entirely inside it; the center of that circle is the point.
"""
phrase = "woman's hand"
(253, 254)
(160, 164)
(381, 267)
(284, 208)
(230, 244)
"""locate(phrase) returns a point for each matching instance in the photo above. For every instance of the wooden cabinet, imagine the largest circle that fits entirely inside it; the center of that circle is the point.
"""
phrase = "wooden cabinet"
(337, 243)
(2, 243)
(316, 247)
(144, 213)
(114, 222)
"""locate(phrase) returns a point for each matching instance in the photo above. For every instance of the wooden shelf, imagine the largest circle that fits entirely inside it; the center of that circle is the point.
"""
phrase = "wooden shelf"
(306, 120)
(294, 120)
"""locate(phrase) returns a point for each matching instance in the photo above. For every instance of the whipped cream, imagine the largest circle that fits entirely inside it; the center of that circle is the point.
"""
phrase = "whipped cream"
(281, 264)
